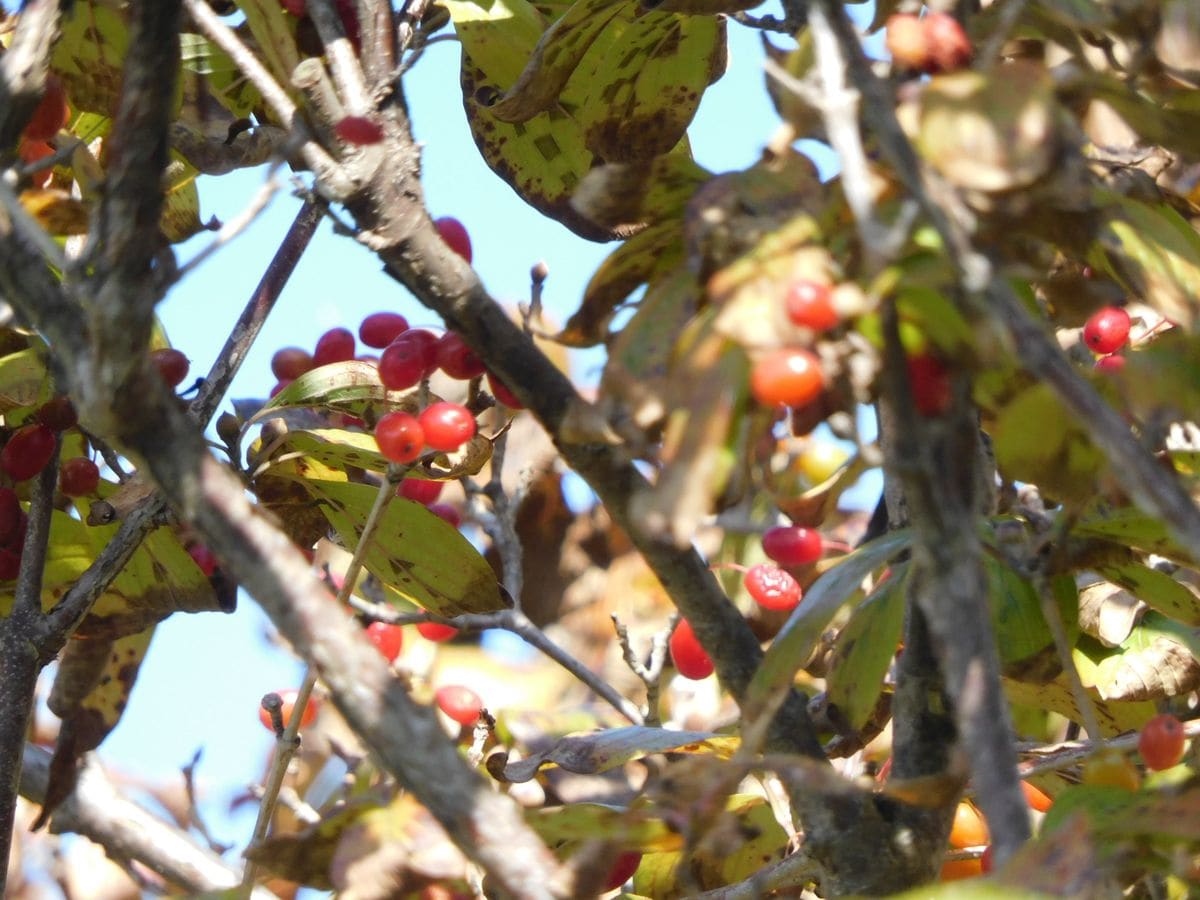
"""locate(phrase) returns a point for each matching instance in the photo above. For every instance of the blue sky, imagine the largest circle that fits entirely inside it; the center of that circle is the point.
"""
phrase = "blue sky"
(204, 675)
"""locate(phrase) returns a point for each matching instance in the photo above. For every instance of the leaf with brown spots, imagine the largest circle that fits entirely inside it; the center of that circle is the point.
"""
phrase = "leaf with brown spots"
(630, 195)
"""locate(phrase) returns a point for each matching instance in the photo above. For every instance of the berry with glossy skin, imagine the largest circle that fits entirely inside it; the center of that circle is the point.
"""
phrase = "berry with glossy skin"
(810, 305)
(1161, 742)
(686, 653)
(436, 631)
(969, 828)
(792, 545)
(27, 452)
(949, 46)
(1107, 330)
(31, 152)
(289, 363)
(10, 517)
(388, 639)
(289, 704)
(772, 587)
(622, 869)
(52, 113)
(446, 513)
(787, 377)
(400, 437)
(1111, 768)
(358, 130)
(409, 358)
(460, 703)
(1035, 797)
(78, 477)
(502, 394)
(334, 346)
(1110, 364)
(454, 234)
(204, 558)
(907, 42)
(447, 426)
(172, 365)
(420, 490)
(456, 359)
(930, 384)
(380, 329)
(57, 413)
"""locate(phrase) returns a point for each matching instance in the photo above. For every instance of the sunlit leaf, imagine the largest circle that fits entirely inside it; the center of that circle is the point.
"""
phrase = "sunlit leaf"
(1158, 589)
(56, 211)
(597, 821)
(1114, 717)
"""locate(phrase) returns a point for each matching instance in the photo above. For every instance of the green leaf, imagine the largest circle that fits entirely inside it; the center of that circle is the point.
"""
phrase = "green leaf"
(576, 822)
(1114, 717)
(424, 558)
(181, 210)
(1021, 630)
(865, 649)
(1156, 589)
(350, 387)
(90, 56)
(1130, 527)
(273, 37)
(23, 379)
(217, 75)
(795, 642)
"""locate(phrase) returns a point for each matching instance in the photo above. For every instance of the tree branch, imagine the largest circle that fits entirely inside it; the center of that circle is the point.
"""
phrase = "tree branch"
(24, 66)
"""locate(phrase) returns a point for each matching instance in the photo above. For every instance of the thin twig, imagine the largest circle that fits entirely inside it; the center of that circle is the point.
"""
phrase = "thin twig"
(650, 672)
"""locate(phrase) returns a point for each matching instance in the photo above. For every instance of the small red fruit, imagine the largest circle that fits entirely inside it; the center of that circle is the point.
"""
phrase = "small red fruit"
(949, 45)
(204, 558)
(388, 639)
(969, 828)
(289, 704)
(986, 861)
(929, 382)
(687, 654)
(1110, 364)
(792, 545)
(502, 394)
(400, 437)
(456, 359)
(358, 130)
(420, 490)
(334, 346)
(1035, 797)
(52, 113)
(78, 477)
(772, 587)
(447, 426)
(297, 8)
(622, 869)
(10, 564)
(290, 363)
(31, 152)
(1161, 742)
(27, 452)
(409, 358)
(1107, 330)
(10, 517)
(172, 365)
(460, 703)
(787, 377)
(436, 631)
(57, 413)
(810, 305)
(380, 329)
(907, 42)
(446, 513)
(454, 233)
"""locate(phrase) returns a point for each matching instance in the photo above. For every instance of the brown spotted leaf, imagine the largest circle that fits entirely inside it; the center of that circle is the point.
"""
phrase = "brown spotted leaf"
(1114, 717)
(593, 753)
(627, 196)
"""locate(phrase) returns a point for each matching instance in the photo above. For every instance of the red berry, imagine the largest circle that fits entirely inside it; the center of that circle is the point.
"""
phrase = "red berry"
(1161, 742)
(446, 512)
(986, 862)
(930, 384)
(810, 305)
(78, 477)
(27, 452)
(297, 8)
(172, 365)
(788, 377)
(334, 346)
(948, 44)
(772, 587)
(460, 703)
(380, 329)
(622, 869)
(792, 545)
(454, 233)
(1114, 362)
(436, 631)
(204, 558)
(358, 130)
(57, 413)
(908, 43)
(409, 358)
(52, 113)
(10, 564)
(502, 394)
(290, 363)
(31, 152)
(387, 639)
(687, 654)
(348, 13)
(289, 704)
(399, 437)
(1107, 330)
(420, 490)
(447, 426)
(10, 517)
(456, 359)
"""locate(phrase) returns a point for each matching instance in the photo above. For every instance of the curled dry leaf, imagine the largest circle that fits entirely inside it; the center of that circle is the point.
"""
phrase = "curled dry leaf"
(1108, 612)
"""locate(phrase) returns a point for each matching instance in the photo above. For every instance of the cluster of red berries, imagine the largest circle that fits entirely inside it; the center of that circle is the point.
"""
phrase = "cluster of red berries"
(51, 116)
(928, 44)
(791, 376)
(1106, 332)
